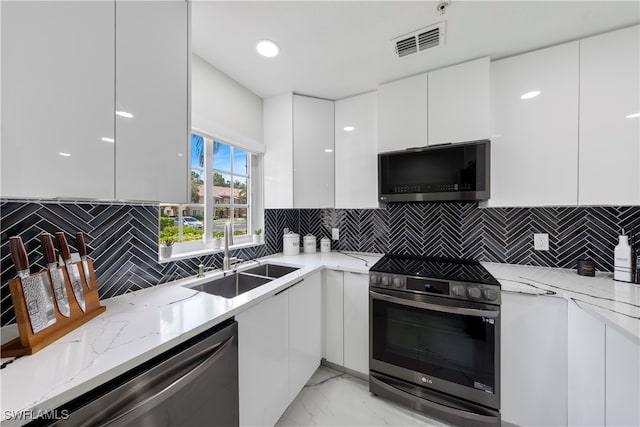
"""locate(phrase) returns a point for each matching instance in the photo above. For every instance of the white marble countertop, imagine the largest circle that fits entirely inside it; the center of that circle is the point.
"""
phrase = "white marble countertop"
(615, 303)
(136, 327)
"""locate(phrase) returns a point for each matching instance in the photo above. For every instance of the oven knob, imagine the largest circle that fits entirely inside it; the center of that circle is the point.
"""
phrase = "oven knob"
(490, 294)
(374, 279)
(386, 281)
(458, 290)
(474, 293)
(397, 282)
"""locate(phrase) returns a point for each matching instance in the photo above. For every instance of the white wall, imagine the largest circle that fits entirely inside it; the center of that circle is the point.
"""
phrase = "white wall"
(223, 108)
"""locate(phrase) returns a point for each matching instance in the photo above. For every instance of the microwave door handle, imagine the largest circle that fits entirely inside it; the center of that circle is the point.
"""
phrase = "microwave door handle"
(491, 314)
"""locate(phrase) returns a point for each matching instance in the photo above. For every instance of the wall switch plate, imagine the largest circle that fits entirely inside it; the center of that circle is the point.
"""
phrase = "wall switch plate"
(335, 234)
(541, 241)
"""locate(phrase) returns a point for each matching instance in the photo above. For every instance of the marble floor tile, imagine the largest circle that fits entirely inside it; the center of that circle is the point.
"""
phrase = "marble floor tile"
(332, 398)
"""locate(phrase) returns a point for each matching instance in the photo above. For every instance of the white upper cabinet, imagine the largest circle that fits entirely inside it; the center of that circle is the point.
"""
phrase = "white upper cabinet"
(446, 105)
(313, 145)
(57, 99)
(152, 86)
(458, 102)
(278, 157)
(356, 152)
(534, 143)
(609, 140)
(402, 114)
(299, 157)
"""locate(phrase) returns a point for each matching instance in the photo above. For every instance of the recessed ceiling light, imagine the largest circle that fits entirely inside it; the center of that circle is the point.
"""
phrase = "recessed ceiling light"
(633, 116)
(349, 128)
(179, 154)
(267, 48)
(105, 139)
(328, 150)
(124, 114)
(530, 95)
(65, 154)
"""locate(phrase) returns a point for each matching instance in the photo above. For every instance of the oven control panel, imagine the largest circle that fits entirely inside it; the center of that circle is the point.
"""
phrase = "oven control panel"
(458, 290)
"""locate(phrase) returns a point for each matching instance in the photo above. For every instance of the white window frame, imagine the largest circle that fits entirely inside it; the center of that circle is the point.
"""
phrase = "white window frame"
(255, 212)
(210, 206)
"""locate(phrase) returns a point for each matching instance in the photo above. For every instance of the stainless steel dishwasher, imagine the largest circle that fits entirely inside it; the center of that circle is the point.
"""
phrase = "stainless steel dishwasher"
(193, 384)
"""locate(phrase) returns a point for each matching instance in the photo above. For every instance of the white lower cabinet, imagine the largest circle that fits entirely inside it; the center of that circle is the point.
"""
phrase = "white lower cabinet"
(533, 374)
(333, 299)
(305, 332)
(279, 348)
(604, 373)
(263, 361)
(346, 320)
(622, 379)
(356, 322)
(586, 355)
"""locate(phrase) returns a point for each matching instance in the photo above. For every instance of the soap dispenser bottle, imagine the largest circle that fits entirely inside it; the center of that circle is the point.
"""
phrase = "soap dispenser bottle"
(622, 260)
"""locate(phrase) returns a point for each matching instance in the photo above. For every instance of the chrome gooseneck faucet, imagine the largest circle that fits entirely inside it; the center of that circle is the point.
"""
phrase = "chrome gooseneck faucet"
(228, 241)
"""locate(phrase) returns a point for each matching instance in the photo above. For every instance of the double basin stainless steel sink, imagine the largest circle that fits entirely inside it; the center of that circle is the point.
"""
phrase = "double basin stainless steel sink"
(243, 281)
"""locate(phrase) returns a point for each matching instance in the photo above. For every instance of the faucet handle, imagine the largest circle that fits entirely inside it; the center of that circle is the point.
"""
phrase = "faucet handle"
(201, 270)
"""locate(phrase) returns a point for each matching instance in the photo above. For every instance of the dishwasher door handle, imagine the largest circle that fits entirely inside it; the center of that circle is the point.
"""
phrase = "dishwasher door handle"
(210, 355)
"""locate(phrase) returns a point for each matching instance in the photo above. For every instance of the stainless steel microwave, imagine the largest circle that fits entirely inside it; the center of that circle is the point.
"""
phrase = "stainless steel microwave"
(447, 172)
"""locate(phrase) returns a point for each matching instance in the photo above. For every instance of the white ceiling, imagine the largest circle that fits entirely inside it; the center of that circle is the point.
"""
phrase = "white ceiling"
(335, 49)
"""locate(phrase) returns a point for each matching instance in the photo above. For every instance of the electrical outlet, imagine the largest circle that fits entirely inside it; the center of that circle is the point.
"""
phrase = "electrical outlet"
(541, 241)
(335, 234)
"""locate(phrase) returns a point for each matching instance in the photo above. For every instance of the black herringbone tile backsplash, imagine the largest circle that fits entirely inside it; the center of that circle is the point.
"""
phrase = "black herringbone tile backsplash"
(491, 234)
(122, 238)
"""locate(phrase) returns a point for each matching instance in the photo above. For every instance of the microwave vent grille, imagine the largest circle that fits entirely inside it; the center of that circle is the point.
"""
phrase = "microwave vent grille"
(420, 40)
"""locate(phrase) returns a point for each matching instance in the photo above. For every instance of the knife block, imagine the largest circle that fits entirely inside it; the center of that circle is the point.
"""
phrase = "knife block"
(30, 343)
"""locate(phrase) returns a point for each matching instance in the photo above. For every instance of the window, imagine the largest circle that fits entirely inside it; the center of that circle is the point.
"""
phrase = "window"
(220, 192)
(230, 188)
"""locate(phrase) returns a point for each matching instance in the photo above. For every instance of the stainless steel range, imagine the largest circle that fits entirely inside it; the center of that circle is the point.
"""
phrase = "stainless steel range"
(435, 337)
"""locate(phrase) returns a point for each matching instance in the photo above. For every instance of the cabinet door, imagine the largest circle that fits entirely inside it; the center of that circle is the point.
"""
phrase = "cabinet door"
(152, 85)
(356, 322)
(313, 145)
(305, 332)
(609, 141)
(57, 99)
(356, 152)
(534, 148)
(402, 114)
(622, 373)
(533, 359)
(278, 157)
(333, 317)
(586, 361)
(263, 361)
(459, 102)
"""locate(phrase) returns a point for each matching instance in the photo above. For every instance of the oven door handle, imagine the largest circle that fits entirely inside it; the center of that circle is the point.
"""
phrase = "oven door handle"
(491, 314)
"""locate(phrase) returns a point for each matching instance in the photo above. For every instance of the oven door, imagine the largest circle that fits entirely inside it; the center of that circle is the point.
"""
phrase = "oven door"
(443, 344)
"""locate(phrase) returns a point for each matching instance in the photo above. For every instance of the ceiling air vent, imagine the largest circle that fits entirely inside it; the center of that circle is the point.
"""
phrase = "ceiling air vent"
(420, 40)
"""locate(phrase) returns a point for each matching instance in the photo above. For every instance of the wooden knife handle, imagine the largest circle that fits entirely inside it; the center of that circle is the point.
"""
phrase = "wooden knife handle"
(18, 254)
(48, 250)
(63, 246)
(82, 248)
